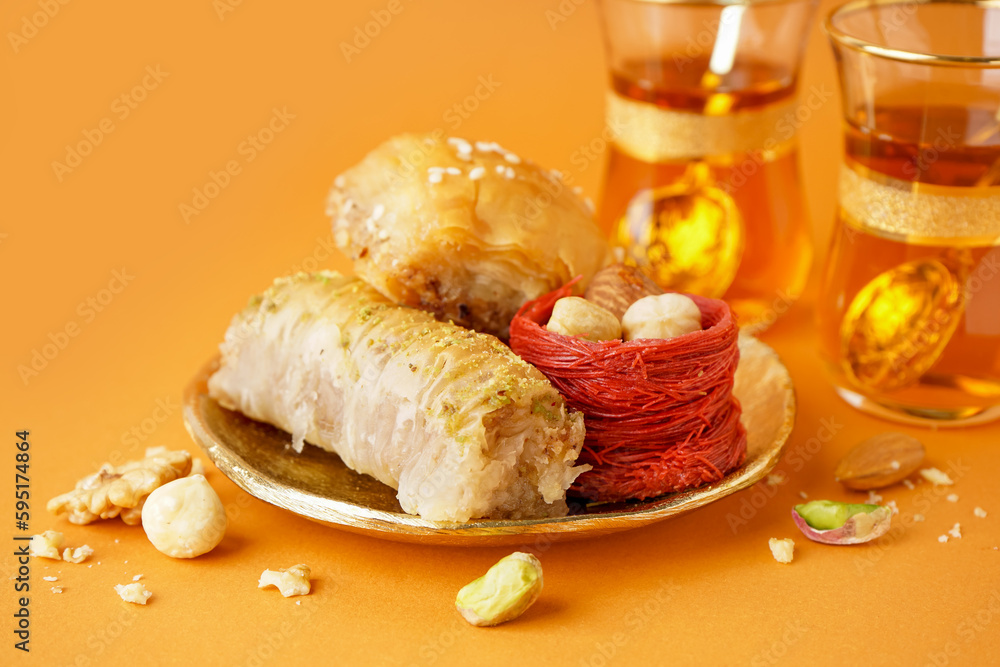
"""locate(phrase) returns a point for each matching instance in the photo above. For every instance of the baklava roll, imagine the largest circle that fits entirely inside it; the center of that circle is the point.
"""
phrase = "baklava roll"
(456, 422)
(467, 231)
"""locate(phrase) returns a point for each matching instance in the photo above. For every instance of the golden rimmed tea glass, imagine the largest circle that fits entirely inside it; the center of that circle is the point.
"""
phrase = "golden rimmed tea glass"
(909, 311)
(702, 186)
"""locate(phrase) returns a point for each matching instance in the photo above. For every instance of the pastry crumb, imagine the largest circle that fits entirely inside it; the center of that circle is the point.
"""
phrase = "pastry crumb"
(137, 577)
(803, 495)
(874, 498)
(952, 497)
(293, 581)
(776, 478)
(918, 517)
(892, 506)
(980, 512)
(77, 555)
(956, 531)
(908, 484)
(46, 545)
(134, 593)
(50, 578)
(936, 477)
(57, 589)
(942, 538)
(782, 550)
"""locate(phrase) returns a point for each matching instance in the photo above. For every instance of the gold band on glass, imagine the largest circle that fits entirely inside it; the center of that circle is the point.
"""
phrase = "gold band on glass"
(646, 132)
(918, 212)
(906, 9)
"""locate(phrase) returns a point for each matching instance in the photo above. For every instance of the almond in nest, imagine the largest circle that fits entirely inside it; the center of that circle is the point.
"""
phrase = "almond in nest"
(618, 286)
(880, 461)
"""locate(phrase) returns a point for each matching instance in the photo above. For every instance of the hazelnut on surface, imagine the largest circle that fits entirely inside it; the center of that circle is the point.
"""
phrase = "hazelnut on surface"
(184, 518)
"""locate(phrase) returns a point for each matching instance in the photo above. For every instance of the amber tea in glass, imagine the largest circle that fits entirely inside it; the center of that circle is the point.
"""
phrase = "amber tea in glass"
(909, 311)
(702, 187)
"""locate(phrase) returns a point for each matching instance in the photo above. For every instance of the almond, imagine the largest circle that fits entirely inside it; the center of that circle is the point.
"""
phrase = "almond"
(879, 461)
(618, 286)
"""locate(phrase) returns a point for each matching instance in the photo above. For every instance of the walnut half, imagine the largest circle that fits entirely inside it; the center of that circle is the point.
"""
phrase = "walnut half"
(120, 491)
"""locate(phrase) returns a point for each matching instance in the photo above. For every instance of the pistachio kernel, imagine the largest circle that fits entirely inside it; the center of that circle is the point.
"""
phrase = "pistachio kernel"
(831, 522)
(503, 593)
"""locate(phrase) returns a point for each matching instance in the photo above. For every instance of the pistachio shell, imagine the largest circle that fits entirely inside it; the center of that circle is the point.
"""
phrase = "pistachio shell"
(879, 461)
(859, 525)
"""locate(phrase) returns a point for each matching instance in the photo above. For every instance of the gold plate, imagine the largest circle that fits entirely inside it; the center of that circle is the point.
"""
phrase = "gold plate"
(317, 485)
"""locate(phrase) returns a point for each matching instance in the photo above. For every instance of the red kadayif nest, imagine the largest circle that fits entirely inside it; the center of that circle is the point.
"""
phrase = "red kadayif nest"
(660, 414)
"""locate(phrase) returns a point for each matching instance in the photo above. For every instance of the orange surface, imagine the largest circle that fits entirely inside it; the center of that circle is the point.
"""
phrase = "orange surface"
(698, 589)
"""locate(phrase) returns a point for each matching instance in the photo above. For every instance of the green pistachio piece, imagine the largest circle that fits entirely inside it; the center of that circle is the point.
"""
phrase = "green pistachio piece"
(503, 593)
(828, 514)
(842, 523)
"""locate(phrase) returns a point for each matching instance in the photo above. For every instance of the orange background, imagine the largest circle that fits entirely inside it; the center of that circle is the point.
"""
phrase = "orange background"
(701, 588)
